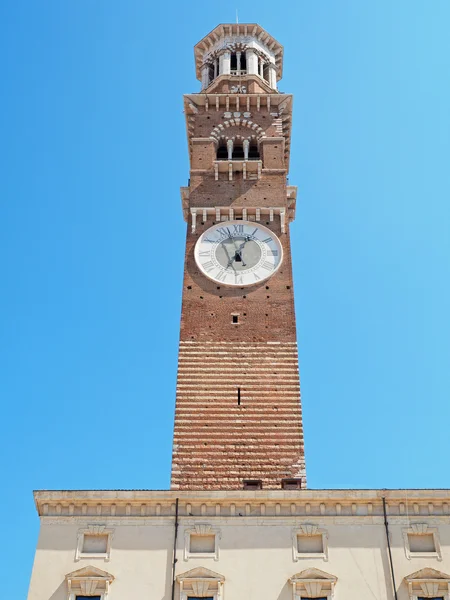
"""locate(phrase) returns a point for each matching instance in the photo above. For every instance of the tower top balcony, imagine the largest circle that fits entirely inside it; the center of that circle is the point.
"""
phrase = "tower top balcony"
(239, 53)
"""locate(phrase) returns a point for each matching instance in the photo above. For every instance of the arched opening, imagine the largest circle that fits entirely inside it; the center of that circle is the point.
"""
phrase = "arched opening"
(210, 73)
(222, 152)
(233, 61)
(238, 150)
(266, 72)
(253, 151)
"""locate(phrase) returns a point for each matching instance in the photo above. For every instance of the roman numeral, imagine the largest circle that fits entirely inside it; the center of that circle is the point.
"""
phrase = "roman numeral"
(256, 277)
(223, 231)
(239, 279)
(270, 252)
(266, 241)
(208, 266)
(204, 253)
(238, 229)
(221, 275)
(208, 240)
(267, 265)
(255, 231)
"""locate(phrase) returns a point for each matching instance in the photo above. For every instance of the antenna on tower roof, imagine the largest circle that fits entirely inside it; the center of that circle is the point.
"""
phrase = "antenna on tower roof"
(237, 18)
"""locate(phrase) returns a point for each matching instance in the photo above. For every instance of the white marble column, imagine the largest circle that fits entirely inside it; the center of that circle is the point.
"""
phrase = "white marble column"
(252, 61)
(245, 145)
(273, 76)
(226, 63)
(205, 76)
(238, 62)
(230, 149)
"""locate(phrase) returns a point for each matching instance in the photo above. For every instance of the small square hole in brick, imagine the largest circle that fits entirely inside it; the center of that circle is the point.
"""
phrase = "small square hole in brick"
(235, 318)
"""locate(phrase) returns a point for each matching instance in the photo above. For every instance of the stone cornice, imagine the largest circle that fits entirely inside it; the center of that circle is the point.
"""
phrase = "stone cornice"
(414, 504)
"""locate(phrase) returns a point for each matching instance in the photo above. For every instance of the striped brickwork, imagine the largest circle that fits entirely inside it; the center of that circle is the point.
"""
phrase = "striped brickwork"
(238, 415)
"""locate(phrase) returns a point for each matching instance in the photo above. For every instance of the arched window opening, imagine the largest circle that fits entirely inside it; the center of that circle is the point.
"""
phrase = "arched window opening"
(243, 63)
(253, 151)
(238, 151)
(266, 72)
(211, 73)
(233, 61)
(222, 152)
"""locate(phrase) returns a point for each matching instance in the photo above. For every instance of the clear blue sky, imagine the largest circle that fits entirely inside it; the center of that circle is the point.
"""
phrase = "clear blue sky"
(91, 238)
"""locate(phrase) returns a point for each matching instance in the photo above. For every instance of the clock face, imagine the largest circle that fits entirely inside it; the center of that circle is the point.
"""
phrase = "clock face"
(238, 253)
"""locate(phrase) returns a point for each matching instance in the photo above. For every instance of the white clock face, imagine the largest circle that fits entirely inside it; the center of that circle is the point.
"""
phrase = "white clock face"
(238, 253)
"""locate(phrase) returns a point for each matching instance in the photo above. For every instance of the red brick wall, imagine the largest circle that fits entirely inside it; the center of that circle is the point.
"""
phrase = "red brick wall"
(219, 442)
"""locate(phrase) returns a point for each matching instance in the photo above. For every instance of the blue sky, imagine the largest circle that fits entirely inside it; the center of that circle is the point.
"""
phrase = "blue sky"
(91, 238)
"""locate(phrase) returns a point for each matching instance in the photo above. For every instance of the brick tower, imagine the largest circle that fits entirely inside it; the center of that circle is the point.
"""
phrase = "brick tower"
(238, 415)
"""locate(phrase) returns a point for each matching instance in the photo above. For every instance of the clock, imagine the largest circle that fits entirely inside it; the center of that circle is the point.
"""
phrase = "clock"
(238, 253)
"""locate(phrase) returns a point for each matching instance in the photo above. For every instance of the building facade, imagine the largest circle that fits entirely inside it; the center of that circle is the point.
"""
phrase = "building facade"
(239, 522)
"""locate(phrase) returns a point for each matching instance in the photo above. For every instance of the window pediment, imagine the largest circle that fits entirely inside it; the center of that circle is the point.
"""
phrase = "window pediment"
(428, 583)
(88, 581)
(312, 583)
(201, 583)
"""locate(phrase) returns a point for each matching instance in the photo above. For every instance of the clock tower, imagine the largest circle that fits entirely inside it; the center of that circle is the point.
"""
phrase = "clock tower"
(238, 417)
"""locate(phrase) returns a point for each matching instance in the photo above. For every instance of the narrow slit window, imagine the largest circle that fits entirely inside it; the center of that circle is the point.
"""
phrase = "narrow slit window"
(239, 396)
(235, 318)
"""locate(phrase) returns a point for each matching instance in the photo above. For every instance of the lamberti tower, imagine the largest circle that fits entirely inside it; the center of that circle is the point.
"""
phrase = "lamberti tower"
(238, 522)
(238, 416)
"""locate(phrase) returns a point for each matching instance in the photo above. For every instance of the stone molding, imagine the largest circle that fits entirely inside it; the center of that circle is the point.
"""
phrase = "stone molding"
(345, 505)
(200, 582)
(313, 583)
(93, 529)
(88, 581)
(422, 529)
(428, 583)
(201, 529)
(309, 530)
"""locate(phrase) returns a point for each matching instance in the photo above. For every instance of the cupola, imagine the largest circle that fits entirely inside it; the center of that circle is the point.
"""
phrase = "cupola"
(239, 58)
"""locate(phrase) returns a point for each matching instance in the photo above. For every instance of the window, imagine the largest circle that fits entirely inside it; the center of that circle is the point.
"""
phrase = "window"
(253, 152)
(201, 541)
(94, 542)
(252, 484)
(309, 542)
(422, 541)
(313, 584)
(238, 151)
(88, 583)
(222, 151)
(291, 484)
(199, 544)
(428, 584)
(200, 584)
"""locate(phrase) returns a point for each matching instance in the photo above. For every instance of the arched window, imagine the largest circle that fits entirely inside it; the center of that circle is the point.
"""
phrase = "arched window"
(238, 150)
(233, 61)
(222, 151)
(253, 151)
(211, 73)
(266, 72)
